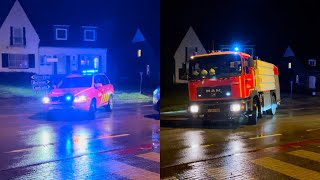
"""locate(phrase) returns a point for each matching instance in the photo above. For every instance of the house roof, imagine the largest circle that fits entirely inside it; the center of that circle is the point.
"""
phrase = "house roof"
(110, 17)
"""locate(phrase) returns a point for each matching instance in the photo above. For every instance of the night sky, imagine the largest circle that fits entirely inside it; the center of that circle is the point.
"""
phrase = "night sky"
(271, 25)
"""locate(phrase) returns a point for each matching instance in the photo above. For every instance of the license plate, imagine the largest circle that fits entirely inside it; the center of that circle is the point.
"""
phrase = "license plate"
(214, 110)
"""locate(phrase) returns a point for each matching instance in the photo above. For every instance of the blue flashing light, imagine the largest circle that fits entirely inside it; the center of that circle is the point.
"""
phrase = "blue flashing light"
(68, 98)
(236, 49)
(89, 72)
(228, 93)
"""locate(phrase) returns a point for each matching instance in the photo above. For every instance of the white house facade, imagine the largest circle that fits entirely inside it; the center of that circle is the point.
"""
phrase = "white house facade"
(190, 45)
(22, 49)
(64, 60)
(19, 43)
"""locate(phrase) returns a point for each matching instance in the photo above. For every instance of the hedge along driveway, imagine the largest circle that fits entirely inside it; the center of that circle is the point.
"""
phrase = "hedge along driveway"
(9, 91)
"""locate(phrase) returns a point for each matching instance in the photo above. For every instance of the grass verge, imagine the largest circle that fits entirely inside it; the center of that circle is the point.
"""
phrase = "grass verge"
(9, 91)
(174, 99)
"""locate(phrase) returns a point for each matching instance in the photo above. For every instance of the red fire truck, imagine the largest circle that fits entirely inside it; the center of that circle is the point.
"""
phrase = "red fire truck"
(233, 85)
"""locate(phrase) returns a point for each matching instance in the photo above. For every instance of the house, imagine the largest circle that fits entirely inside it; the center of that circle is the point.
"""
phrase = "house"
(50, 48)
(190, 45)
(147, 62)
(300, 71)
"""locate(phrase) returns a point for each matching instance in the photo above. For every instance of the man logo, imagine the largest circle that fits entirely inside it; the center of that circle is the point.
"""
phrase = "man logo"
(213, 90)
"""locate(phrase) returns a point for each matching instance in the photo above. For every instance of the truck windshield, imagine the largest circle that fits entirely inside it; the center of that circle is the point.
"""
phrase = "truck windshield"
(215, 66)
(76, 82)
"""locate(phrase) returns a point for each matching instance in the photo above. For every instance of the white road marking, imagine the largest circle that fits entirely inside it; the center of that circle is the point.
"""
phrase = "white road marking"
(271, 135)
(313, 129)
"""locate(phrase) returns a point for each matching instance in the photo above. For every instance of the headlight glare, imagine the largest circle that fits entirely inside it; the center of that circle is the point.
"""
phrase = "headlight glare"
(235, 107)
(194, 108)
(80, 99)
(45, 100)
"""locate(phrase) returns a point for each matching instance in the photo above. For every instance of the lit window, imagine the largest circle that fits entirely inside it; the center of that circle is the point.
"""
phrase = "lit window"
(96, 63)
(297, 79)
(289, 65)
(312, 62)
(61, 34)
(139, 53)
(89, 35)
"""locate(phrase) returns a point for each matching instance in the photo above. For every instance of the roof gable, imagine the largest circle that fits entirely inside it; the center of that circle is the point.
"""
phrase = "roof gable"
(288, 52)
(138, 37)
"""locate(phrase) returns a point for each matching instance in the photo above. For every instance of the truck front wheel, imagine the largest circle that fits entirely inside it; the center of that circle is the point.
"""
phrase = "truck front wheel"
(253, 119)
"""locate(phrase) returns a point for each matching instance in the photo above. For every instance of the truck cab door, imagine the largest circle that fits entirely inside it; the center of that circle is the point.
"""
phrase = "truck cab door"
(249, 76)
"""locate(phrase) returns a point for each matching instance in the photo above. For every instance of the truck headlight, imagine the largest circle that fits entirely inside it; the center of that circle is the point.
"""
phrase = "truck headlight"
(194, 108)
(235, 107)
(80, 99)
(45, 100)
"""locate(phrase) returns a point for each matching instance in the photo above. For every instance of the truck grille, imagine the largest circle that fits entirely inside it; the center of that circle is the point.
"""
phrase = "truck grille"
(213, 92)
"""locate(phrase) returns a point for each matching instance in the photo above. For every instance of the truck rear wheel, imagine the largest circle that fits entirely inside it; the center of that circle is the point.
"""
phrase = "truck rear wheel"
(253, 119)
(273, 109)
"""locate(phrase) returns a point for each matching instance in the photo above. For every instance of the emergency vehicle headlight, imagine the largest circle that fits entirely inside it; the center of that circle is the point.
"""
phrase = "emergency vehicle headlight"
(80, 99)
(45, 100)
(235, 107)
(194, 108)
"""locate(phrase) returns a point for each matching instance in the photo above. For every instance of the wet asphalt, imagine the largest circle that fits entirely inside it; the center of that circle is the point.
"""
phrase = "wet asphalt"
(122, 144)
(284, 146)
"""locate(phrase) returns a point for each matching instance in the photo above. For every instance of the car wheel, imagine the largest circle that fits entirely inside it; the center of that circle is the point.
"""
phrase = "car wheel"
(92, 110)
(109, 107)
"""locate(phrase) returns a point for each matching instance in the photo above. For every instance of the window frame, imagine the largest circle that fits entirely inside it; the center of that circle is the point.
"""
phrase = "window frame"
(61, 29)
(85, 34)
(311, 61)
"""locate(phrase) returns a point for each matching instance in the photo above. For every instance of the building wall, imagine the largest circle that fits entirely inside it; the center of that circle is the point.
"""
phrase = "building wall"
(191, 42)
(18, 18)
(62, 53)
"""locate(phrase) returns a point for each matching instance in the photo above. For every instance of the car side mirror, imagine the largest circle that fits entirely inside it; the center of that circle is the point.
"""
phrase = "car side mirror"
(98, 85)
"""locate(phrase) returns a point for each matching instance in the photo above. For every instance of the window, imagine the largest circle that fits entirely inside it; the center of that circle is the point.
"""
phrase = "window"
(61, 34)
(249, 51)
(289, 65)
(18, 61)
(17, 37)
(139, 53)
(89, 35)
(312, 62)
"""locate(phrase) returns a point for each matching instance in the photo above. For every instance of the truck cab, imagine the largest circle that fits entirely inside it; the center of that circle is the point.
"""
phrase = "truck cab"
(232, 84)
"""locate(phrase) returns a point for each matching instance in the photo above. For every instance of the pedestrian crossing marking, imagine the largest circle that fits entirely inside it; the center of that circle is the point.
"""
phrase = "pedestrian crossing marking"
(226, 173)
(287, 169)
(306, 154)
(153, 156)
(130, 172)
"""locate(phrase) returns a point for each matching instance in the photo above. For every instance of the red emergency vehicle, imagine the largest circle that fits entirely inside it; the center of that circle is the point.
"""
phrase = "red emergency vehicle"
(79, 92)
(233, 85)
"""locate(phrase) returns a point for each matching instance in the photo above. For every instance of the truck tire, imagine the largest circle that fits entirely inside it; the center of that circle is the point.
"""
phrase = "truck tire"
(273, 109)
(253, 119)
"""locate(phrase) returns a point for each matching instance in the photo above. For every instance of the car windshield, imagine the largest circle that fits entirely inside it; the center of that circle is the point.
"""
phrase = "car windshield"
(215, 66)
(76, 82)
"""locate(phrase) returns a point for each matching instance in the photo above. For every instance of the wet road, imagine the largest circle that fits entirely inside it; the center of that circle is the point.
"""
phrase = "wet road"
(285, 146)
(123, 144)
